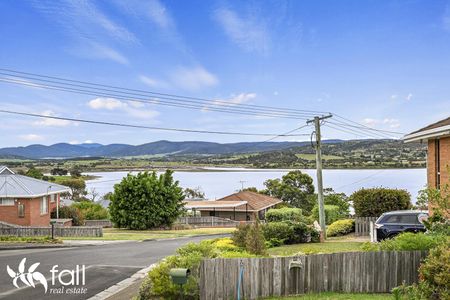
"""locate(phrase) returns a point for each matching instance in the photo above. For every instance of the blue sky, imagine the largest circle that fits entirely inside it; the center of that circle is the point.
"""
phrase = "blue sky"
(385, 64)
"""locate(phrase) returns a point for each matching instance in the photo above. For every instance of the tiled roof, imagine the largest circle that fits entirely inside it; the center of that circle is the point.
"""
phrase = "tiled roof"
(20, 186)
(256, 201)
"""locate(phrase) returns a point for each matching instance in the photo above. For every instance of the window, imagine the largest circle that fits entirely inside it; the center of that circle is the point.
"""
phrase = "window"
(44, 206)
(409, 219)
(7, 202)
(52, 198)
(21, 210)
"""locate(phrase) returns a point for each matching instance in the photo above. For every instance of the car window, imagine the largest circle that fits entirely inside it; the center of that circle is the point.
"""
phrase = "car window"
(392, 219)
(409, 219)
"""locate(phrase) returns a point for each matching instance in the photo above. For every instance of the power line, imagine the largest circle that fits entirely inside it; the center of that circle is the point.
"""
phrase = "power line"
(154, 101)
(367, 128)
(141, 126)
(68, 85)
(161, 94)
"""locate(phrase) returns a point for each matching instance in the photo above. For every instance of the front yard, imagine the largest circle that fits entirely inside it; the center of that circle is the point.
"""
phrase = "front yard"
(112, 234)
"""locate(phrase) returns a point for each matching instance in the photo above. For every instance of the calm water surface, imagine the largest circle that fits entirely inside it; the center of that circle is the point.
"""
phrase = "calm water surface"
(219, 184)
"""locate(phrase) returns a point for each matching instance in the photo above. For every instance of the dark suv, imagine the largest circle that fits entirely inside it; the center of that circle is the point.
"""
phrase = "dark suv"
(394, 222)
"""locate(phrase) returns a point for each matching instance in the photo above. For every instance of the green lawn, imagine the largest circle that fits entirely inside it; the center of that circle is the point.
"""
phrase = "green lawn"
(112, 234)
(330, 246)
(338, 296)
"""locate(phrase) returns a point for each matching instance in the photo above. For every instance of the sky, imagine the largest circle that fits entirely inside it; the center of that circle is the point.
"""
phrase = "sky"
(384, 64)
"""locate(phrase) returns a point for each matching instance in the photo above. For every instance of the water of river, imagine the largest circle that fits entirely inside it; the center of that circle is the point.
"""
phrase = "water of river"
(220, 182)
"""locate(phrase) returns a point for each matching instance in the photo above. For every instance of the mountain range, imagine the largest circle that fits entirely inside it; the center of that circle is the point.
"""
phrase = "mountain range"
(161, 148)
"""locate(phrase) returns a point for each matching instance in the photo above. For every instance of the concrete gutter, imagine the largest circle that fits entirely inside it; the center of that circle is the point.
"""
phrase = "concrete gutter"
(117, 288)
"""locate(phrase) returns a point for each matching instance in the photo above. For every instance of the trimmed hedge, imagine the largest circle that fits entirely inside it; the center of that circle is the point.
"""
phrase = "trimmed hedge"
(285, 214)
(341, 227)
(376, 201)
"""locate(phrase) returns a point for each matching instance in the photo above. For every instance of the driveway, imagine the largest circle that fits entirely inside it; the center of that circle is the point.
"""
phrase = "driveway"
(105, 266)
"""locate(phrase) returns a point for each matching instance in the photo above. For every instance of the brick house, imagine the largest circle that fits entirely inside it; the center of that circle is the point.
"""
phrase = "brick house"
(242, 206)
(437, 136)
(27, 201)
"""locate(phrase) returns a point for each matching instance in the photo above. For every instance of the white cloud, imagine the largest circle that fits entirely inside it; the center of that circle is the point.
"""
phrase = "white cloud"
(106, 103)
(104, 52)
(74, 142)
(154, 83)
(247, 32)
(159, 15)
(393, 97)
(233, 100)
(133, 108)
(194, 78)
(88, 142)
(82, 19)
(389, 122)
(32, 137)
(48, 122)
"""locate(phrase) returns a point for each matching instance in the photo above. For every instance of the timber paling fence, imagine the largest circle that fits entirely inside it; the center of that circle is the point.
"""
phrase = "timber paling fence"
(207, 221)
(358, 272)
(362, 225)
(75, 231)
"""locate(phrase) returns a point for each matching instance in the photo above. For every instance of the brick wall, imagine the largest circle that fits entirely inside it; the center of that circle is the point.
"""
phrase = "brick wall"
(444, 150)
(32, 217)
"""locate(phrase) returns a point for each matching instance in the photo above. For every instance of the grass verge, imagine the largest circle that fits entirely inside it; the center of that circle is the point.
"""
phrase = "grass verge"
(34, 240)
(112, 234)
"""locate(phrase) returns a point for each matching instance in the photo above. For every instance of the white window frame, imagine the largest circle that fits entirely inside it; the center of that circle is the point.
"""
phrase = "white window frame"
(44, 206)
(7, 201)
(52, 198)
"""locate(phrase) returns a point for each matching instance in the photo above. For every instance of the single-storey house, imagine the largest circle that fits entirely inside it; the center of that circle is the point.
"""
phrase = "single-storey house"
(437, 136)
(241, 206)
(27, 201)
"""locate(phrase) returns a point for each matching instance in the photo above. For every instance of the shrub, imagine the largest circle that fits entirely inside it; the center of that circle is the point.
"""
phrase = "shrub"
(225, 244)
(332, 213)
(341, 227)
(146, 200)
(434, 277)
(374, 202)
(280, 231)
(91, 210)
(407, 241)
(69, 212)
(285, 214)
(255, 242)
(240, 234)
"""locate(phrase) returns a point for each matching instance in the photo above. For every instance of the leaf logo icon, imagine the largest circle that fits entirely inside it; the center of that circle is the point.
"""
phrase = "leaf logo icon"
(28, 277)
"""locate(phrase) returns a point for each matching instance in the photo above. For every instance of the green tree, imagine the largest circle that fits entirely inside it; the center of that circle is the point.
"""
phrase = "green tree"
(91, 211)
(77, 187)
(195, 193)
(146, 201)
(35, 173)
(75, 171)
(295, 188)
(376, 201)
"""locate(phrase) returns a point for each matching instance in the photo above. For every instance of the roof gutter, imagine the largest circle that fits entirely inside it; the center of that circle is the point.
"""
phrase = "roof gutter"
(426, 134)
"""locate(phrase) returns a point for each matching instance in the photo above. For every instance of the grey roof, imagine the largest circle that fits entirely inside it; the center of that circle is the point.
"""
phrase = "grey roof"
(19, 186)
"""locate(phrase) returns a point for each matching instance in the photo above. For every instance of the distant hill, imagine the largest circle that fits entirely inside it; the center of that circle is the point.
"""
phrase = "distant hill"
(161, 148)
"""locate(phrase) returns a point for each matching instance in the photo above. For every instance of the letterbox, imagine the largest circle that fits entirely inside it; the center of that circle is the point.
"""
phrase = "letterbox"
(179, 276)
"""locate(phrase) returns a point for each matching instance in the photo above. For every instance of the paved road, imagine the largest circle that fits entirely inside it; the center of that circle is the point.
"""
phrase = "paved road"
(105, 266)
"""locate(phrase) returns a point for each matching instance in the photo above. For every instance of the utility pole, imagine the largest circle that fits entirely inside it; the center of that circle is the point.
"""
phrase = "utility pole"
(316, 122)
